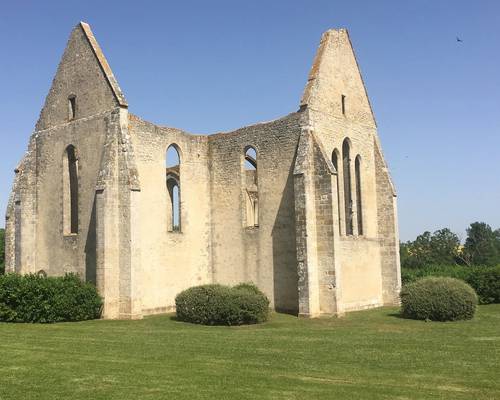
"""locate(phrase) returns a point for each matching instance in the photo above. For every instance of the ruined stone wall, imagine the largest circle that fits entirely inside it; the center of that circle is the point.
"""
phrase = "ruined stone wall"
(58, 251)
(297, 250)
(388, 231)
(338, 109)
(79, 74)
(10, 229)
(326, 228)
(305, 234)
(265, 254)
(317, 230)
(21, 215)
(359, 254)
(171, 261)
(43, 243)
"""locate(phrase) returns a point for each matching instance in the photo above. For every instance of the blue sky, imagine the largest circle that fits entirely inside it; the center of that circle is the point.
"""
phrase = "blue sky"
(208, 66)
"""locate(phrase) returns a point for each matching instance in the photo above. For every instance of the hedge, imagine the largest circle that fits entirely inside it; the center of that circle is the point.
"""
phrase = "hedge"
(484, 280)
(222, 305)
(36, 298)
(438, 299)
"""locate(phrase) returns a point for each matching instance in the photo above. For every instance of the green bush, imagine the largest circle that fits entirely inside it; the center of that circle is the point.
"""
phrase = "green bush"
(251, 287)
(222, 305)
(409, 275)
(35, 298)
(486, 283)
(483, 279)
(2, 251)
(438, 299)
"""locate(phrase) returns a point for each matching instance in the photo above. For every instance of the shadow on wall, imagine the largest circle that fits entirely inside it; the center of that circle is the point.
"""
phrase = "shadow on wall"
(90, 249)
(286, 296)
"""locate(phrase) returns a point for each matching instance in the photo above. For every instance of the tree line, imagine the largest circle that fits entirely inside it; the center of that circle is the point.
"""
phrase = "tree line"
(2, 250)
(443, 247)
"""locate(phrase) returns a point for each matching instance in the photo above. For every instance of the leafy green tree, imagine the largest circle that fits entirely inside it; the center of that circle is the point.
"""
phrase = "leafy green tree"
(445, 246)
(417, 253)
(497, 236)
(482, 245)
(405, 254)
(421, 249)
(440, 247)
(2, 251)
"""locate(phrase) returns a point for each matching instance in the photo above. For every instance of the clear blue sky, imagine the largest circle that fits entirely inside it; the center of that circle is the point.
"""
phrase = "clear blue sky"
(208, 66)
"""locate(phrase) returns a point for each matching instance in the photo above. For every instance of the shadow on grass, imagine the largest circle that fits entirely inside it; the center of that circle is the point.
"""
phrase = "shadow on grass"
(397, 314)
(174, 318)
(293, 313)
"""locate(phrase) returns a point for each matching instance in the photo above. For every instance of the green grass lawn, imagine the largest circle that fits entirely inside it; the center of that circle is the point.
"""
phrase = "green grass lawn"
(366, 355)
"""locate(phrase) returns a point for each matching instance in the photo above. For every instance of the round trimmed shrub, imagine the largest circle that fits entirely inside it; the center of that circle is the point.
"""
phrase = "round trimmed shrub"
(438, 299)
(249, 286)
(36, 298)
(253, 305)
(222, 305)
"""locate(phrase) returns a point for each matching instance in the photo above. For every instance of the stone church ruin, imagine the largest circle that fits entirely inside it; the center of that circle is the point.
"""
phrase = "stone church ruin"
(303, 206)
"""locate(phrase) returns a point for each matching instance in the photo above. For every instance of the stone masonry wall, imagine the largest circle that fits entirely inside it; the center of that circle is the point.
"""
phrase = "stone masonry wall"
(326, 229)
(264, 255)
(80, 74)
(338, 109)
(57, 251)
(172, 261)
(388, 231)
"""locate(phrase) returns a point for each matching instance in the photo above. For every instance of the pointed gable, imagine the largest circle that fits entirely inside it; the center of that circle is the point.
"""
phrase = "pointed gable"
(335, 75)
(83, 75)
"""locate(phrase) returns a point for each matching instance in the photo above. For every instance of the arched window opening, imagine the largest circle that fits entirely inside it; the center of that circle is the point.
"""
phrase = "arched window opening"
(42, 274)
(173, 183)
(70, 191)
(173, 192)
(359, 201)
(335, 162)
(346, 166)
(251, 159)
(172, 159)
(250, 186)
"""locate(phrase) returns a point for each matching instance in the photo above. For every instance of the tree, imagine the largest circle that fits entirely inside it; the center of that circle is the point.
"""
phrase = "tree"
(405, 254)
(482, 245)
(497, 236)
(2, 251)
(445, 246)
(440, 247)
(420, 250)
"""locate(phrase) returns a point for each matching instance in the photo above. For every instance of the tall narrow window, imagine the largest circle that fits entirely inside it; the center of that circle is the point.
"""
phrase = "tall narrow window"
(359, 200)
(251, 190)
(173, 183)
(70, 191)
(174, 204)
(343, 104)
(72, 107)
(346, 166)
(335, 162)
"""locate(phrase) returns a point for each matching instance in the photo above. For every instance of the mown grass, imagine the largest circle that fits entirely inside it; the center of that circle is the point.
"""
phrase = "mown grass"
(366, 355)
